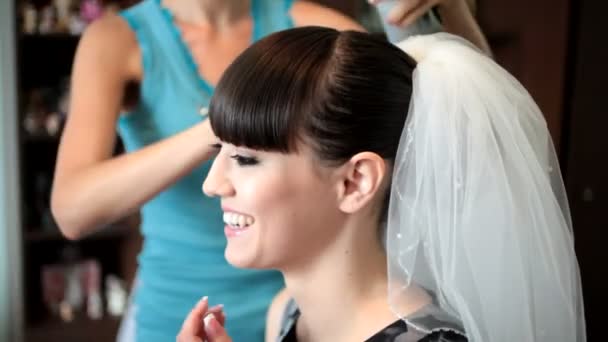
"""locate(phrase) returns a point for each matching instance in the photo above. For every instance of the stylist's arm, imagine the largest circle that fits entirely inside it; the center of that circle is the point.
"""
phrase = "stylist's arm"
(204, 324)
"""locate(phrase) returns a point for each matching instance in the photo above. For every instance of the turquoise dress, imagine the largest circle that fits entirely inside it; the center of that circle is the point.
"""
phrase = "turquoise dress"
(183, 252)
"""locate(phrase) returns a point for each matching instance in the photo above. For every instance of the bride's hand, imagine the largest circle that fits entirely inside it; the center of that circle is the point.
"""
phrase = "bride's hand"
(204, 324)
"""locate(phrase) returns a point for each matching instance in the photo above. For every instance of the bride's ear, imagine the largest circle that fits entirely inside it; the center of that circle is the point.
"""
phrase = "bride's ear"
(359, 181)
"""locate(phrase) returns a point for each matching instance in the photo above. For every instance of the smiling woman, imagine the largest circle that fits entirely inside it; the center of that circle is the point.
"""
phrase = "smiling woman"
(404, 192)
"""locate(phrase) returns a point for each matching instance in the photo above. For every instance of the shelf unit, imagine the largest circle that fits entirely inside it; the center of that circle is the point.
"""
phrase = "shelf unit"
(44, 63)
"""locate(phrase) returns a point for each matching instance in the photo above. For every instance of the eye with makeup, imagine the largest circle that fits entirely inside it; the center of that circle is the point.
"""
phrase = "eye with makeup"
(244, 160)
(241, 159)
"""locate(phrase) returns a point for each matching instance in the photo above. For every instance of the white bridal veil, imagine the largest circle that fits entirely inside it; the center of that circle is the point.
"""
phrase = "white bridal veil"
(478, 212)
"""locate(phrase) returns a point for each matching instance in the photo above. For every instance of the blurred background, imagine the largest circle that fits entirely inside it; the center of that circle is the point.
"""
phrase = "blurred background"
(556, 48)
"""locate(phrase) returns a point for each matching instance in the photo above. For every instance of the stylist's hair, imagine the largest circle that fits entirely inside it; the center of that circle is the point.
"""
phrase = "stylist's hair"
(341, 93)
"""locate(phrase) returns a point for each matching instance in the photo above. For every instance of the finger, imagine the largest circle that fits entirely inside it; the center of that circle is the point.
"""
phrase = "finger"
(183, 338)
(218, 311)
(215, 331)
(216, 308)
(192, 325)
(401, 10)
(415, 14)
(222, 319)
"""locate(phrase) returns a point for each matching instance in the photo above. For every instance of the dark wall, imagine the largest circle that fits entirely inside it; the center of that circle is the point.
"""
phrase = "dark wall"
(586, 155)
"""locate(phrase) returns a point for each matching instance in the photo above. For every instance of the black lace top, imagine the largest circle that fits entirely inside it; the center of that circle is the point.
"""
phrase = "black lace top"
(430, 317)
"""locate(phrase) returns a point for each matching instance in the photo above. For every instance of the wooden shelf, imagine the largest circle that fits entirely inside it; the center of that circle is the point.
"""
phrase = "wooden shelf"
(55, 36)
(44, 64)
(81, 329)
(41, 139)
(113, 231)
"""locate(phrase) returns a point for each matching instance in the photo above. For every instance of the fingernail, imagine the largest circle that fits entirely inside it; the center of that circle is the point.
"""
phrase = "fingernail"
(203, 300)
(213, 328)
(208, 319)
(217, 307)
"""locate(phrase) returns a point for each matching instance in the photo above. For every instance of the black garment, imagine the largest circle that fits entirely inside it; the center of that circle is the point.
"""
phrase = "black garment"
(398, 331)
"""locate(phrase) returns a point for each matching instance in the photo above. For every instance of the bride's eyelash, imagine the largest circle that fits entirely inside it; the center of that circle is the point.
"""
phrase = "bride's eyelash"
(240, 159)
(244, 161)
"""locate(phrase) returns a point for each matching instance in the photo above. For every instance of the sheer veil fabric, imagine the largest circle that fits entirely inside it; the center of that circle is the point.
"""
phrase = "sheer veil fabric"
(478, 214)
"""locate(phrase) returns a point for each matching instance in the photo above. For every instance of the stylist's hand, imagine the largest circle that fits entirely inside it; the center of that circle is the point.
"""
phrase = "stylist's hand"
(406, 12)
(204, 324)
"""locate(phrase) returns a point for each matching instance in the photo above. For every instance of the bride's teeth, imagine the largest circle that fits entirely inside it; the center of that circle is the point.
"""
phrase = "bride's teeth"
(233, 219)
(237, 220)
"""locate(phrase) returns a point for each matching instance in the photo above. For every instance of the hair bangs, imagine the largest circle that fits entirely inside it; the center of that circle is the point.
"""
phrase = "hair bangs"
(264, 98)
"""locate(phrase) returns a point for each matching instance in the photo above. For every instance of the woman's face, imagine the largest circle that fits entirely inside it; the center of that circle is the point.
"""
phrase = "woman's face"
(279, 209)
